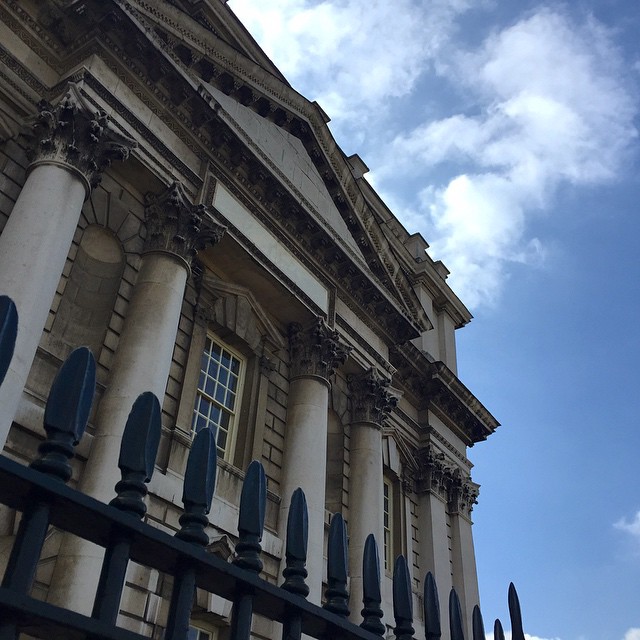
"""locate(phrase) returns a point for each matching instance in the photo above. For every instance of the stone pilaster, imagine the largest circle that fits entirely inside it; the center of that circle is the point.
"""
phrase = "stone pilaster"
(141, 363)
(70, 144)
(315, 352)
(446, 500)
(371, 403)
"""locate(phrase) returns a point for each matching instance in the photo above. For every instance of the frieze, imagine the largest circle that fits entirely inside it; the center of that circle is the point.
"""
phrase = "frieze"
(316, 350)
(371, 400)
(70, 133)
(176, 226)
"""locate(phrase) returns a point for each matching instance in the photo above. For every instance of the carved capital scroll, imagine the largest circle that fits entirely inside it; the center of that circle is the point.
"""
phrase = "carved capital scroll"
(176, 226)
(315, 351)
(73, 134)
(370, 397)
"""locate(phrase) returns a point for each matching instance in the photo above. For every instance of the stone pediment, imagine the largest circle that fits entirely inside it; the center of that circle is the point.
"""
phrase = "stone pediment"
(247, 92)
(234, 308)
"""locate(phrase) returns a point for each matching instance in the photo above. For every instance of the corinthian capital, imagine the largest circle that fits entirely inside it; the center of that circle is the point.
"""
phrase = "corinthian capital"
(176, 226)
(370, 397)
(316, 350)
(73, 134)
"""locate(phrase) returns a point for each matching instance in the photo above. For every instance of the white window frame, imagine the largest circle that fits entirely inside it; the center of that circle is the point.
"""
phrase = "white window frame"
(210, 398)
(388, 523)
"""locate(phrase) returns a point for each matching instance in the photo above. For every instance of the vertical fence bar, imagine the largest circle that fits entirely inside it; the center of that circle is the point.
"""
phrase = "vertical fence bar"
(250, 525)
(402, 600)
(8, 333)
(432, 628)
(295, 571)
(517, 632)
(336, 594)
(65, 419)
(138, 451)
(372, 598)
(455, 616)
(477, 624)
(199, 484)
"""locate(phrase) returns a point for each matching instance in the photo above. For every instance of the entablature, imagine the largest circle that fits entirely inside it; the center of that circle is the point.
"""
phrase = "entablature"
(432, 385)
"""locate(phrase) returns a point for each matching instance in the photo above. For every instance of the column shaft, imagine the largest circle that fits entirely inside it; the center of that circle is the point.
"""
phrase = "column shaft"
(365, 503)
(304, 466)
(33, 249)
(465, 578)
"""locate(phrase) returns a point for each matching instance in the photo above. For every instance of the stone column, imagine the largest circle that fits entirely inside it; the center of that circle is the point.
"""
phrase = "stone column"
(141, 363)
(70, 144)
(371, 403)
(435, 555)
(314, 352)
(462, 497)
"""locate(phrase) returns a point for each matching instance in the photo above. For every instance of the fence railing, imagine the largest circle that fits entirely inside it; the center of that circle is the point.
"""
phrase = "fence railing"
(39, 492)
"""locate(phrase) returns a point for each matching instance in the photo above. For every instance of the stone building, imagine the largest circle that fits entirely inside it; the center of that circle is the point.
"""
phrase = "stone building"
(169, 200)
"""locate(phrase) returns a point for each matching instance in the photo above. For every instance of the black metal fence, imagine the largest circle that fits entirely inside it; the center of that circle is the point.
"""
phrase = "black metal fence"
(40, 494)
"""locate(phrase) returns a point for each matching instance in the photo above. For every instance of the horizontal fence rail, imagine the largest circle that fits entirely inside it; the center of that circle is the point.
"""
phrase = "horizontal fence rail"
(39, 492)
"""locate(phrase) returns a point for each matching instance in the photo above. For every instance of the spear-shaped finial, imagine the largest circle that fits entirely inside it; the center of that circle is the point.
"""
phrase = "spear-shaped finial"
(253, 501)
(517, 632)
(66, 413)
(296, 549)
(372, 598)
(8, 333)
(402, 600)
(138, 451)
(199, 484)
(432, 627)
(336, 594)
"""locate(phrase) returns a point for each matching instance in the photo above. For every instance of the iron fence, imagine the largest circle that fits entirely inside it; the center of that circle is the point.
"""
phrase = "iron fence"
(39, 492)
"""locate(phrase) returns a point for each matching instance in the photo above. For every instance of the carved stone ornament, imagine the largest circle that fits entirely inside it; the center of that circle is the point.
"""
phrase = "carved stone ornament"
(175, 225)
(370, 397)
(315, 351)
(436, 476)
(73, 134)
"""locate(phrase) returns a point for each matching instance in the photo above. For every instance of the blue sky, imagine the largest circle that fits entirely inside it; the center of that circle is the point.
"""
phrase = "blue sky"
(507, 134)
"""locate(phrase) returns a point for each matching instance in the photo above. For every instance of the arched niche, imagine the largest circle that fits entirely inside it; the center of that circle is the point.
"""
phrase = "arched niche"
(90, 293)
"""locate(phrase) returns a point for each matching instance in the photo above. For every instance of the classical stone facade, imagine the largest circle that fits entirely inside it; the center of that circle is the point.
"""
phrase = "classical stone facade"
(167, 199)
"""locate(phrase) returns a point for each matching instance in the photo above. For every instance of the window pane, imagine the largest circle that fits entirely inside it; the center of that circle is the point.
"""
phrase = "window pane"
(219, 387)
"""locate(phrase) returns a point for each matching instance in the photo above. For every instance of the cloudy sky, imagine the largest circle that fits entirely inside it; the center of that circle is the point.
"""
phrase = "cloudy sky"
(507, 134)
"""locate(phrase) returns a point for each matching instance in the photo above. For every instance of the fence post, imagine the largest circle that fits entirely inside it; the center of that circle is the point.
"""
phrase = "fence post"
(65, 419)
(199, 484)
(137, 459)
(250, 525)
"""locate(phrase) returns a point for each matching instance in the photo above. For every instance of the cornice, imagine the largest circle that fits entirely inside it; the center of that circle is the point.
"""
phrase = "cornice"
(175, 100)
(435, 387)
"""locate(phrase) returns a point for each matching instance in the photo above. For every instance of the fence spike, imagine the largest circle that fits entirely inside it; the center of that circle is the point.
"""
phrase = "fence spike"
(498, 633)
(199, 483)
(296, 550)
(8, 333)
(402, 600)
(336, 594)
(253, 501)
(372, 599)
(478, 624)
(517, 632)
(431, 608)
(138, 454)
(455, 616)
(66, 413)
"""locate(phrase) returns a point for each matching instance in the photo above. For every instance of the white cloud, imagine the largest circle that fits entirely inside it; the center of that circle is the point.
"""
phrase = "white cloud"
(552, 108)
(349, 55)
(507, 636)
(631, 527)
(632, 634)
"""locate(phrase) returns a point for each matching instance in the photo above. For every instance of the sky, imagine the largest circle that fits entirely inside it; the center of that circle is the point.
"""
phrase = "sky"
(506, 133)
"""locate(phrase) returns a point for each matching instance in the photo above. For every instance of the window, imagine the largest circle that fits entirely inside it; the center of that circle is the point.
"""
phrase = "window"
(195, 633)
(218, 395)
(387, 510)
